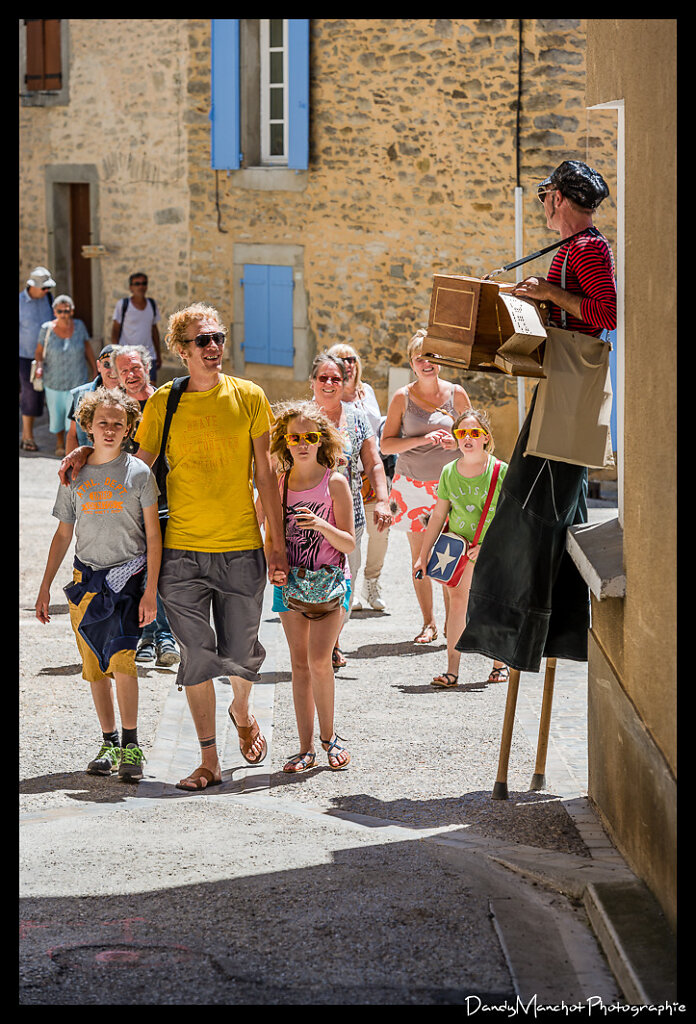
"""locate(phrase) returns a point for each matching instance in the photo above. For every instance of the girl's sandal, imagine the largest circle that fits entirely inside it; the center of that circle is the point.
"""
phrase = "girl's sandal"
(337, 658)
(330, 745)
(426, 635)
(300, 763)
(499, 675)
(445, 680)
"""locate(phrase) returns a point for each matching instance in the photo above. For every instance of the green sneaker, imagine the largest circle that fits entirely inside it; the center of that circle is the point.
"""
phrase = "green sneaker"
(131, 766)
(106, 761)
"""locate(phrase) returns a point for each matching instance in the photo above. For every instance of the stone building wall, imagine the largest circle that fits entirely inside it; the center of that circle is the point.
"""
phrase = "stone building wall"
(124, 118)
(412, 172)
(413, 165)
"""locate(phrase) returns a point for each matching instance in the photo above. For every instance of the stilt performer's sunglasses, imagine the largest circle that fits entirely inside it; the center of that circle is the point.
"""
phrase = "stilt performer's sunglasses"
(312, 437)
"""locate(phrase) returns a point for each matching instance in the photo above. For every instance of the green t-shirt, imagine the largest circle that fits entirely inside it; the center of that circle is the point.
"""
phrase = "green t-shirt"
(467, 496)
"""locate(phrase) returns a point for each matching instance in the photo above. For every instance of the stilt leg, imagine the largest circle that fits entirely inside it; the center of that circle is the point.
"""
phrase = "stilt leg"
(539, 777)
(500, 790)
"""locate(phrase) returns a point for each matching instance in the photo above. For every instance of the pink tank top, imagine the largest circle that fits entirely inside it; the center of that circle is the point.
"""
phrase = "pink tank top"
(309, 548)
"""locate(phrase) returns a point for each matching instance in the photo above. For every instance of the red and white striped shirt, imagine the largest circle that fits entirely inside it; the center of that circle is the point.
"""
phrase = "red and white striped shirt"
(590, 273)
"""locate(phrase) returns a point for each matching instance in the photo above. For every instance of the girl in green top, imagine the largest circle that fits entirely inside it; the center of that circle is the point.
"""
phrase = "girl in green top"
(461, 495)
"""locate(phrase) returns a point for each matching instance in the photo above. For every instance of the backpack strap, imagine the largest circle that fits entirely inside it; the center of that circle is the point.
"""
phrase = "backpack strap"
(161, 468)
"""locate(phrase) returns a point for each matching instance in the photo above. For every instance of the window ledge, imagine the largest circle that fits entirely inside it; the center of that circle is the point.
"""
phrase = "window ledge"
(597, 551)
(269, 179)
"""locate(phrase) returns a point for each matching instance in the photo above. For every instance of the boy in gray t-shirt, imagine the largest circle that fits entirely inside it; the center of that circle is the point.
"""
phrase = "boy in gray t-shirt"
(112, 507)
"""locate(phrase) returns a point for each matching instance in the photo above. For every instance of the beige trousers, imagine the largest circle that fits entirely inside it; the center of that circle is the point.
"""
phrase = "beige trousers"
(377, 543)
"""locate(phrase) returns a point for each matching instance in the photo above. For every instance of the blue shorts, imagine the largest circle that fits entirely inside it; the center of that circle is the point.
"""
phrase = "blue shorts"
(279, 604)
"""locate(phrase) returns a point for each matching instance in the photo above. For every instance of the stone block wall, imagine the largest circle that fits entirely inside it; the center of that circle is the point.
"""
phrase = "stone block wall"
(125, 117)
(413, 166)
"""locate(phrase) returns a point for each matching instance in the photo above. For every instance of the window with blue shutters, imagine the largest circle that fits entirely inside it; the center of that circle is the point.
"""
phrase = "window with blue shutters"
(268, 320)
(260, 93)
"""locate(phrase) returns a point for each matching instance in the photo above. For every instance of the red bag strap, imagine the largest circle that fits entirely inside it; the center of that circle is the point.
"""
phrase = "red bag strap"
(489, 499)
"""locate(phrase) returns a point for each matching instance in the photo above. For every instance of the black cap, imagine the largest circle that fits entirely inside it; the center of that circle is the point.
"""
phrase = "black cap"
(576, 181)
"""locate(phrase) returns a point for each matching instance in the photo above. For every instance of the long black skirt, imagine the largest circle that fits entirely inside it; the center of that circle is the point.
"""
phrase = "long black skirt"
(528, 600)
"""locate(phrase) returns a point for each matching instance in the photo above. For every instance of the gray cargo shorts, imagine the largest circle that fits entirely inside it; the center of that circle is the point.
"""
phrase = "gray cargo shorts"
(231, 584)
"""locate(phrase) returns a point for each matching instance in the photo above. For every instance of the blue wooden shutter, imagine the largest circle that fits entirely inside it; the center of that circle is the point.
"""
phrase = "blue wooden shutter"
(225, 93)
(268, 336)
(298, 93)
(280, 285)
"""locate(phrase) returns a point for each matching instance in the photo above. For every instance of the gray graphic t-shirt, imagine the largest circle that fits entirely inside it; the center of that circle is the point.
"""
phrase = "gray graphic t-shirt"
(106, 504)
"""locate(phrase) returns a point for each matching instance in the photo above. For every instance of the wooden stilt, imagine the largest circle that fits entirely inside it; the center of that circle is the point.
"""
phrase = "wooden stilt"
(500, 790)
(539, 777)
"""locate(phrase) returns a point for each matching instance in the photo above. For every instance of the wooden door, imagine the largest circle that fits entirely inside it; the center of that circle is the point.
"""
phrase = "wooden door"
(80, 267)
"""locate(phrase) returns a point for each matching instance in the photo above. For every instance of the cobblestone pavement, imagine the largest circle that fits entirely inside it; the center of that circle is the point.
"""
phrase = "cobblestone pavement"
(221, 897)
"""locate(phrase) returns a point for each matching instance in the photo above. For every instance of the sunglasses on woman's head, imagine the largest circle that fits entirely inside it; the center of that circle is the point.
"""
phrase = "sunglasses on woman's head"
(324, 379)
(311, 437)
(203, 340)
(349, 359)
(474, 432)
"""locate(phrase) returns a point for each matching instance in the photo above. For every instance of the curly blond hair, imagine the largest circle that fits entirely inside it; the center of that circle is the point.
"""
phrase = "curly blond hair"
(113, 398)
(178, 324)
(331, 444)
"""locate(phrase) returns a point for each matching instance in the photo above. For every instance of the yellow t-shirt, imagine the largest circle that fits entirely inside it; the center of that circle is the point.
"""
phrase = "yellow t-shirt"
(210, 455)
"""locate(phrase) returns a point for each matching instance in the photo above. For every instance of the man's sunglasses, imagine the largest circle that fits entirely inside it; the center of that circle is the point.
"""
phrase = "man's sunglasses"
(139, 284)
(66, 311)
(203, 340)
(543, 192)
(310, 437)
(474, 432)
(324, 379)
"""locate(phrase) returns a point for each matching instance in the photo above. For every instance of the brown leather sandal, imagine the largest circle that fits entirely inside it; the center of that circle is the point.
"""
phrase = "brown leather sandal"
(199, 776)
(247, 736)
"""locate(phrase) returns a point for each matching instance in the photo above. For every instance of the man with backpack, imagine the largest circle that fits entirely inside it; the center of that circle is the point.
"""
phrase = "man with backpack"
(135, 322)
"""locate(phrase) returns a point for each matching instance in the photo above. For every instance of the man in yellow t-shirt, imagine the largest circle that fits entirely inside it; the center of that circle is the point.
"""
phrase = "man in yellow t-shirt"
(213, 551)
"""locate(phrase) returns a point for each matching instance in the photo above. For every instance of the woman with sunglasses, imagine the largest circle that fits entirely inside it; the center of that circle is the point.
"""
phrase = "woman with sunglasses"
(359, 445)
(359, 392)
(418, 430)
(64, 359)
(461, 495)
(319, 530)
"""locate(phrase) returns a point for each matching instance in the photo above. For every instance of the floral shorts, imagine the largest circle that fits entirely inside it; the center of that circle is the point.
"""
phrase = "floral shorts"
(411, 502)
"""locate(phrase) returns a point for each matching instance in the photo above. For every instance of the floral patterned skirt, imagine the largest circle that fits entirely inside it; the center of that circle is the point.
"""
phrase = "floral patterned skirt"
(411, 502)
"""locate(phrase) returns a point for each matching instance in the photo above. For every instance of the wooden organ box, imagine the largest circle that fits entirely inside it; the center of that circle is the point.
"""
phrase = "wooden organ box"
(477, 325)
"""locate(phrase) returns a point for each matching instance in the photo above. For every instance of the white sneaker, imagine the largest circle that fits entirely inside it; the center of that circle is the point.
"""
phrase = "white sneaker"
(371, 592)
